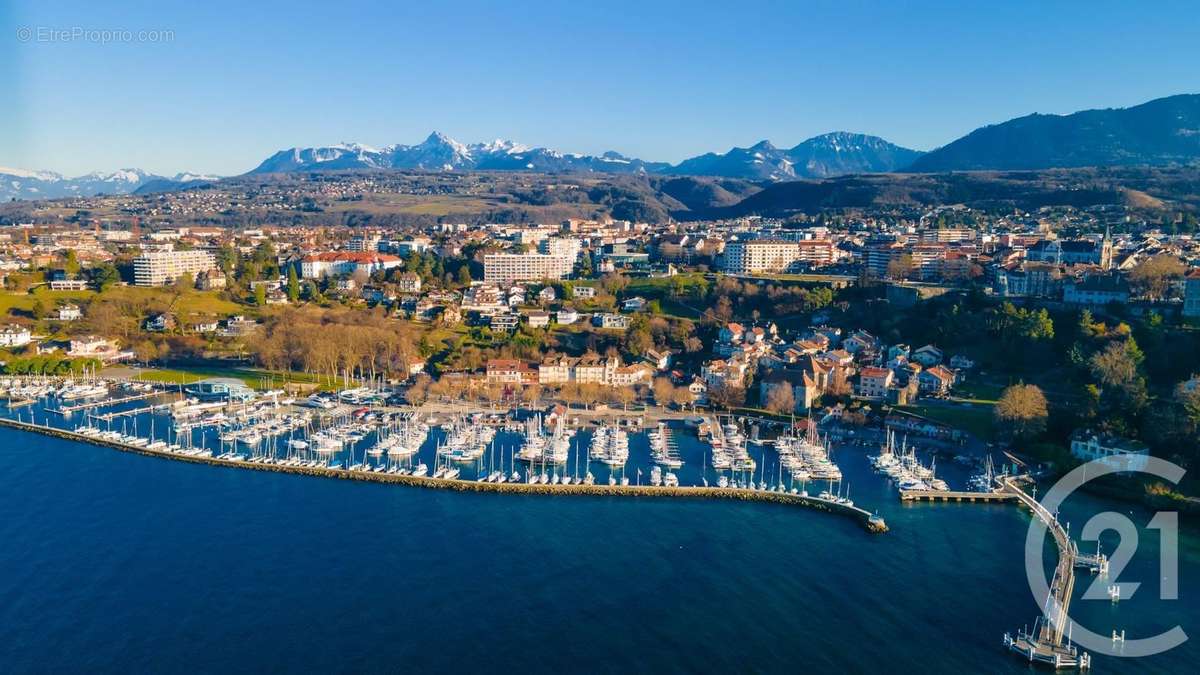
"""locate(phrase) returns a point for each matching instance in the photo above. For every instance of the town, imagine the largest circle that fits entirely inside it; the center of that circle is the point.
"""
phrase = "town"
(1040, 327)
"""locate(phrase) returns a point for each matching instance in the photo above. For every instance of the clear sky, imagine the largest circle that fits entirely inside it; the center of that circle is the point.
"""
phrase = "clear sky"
(237, 81)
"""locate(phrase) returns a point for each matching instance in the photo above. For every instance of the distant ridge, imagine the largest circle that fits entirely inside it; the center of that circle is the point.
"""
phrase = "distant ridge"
(1162, 131)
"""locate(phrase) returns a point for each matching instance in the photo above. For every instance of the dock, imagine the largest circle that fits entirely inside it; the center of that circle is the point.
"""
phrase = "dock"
(100, 403)
(955, 496)
(870, 522)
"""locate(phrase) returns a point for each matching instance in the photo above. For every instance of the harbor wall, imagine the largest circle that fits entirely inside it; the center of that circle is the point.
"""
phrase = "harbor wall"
(864, 517)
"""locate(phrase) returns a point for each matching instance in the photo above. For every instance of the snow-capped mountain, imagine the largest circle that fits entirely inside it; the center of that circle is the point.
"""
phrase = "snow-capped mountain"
(828, 155)
(439, 152)
(832, 154)
(24, 184)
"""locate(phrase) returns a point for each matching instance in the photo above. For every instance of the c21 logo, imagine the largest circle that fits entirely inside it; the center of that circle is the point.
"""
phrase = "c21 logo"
(1166, 522)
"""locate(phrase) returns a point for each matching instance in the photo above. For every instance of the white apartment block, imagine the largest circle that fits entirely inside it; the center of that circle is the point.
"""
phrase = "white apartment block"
(754, 256)
(159, 268)
(506, 268)
(564, 246)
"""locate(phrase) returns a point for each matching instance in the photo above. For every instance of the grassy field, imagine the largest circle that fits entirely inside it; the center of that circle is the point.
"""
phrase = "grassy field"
(252, 377)
(191, 302)
(24, 301)
(978, 392)
(974, 418)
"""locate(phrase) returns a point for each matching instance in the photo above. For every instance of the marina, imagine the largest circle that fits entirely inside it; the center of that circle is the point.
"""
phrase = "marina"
(384, 445)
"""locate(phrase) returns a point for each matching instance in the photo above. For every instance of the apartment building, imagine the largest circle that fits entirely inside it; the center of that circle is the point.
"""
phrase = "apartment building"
(506, 268)
(754, 256)
(159, 268)
(345, 262)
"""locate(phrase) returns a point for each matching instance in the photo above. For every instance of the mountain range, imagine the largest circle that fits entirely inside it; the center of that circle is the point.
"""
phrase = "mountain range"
(22, 184)
(828, 155)
(1160, 132)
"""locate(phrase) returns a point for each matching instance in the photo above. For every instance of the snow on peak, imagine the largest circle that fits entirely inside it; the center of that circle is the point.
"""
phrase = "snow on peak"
(502, 145)
(25, 173)
(438, 138)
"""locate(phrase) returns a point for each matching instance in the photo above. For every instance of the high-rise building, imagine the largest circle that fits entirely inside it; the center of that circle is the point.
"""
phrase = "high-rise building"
(159, 268)
(504, 268)
(754, 256)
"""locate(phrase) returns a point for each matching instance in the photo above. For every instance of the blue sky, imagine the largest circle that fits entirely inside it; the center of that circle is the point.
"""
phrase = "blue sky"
(657, 80)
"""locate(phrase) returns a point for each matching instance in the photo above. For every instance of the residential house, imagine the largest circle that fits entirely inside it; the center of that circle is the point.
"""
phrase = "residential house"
(537, 318)
(660, 360)
(1097, 290)
(566, 316)
(408, 282)
(505, 323)
(634, 304)
(68, 313)
(873, 382)
(928, 356)
(511, 371)
(160, 323)
(96, 347)
(860, 340)
(13, 335)
(1119, 453)
(610, 320)
(936, 381)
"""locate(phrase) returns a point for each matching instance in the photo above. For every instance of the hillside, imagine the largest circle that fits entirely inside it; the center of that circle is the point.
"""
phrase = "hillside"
(1160, 132)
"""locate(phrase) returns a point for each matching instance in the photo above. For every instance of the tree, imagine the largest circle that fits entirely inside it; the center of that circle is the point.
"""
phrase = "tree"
(105, 275)
(624, 396)
(727, 395)
(260, 295)
(1116, 365)
(293, 285)
(1155, 276)
(900, 267)
(71, 263)
(185, 282)
(39, 310)
(464, 275)
(780, 398)
(683, 397)
(664, 391)
(418, 393)
(1022, 408)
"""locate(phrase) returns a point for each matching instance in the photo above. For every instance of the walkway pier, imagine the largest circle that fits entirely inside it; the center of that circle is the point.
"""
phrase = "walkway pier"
(1049, 645)
(955, 496)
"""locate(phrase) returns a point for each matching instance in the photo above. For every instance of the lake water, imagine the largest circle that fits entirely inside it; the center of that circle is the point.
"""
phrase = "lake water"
(113, 562)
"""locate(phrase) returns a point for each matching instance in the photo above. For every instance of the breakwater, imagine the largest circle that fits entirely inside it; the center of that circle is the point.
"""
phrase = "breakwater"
(869, 521)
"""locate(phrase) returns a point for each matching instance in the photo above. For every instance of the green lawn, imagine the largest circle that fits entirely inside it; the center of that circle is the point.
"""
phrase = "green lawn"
(23, 301)
(191, 302)
(974, 418)
(978, 392)
(253, 377)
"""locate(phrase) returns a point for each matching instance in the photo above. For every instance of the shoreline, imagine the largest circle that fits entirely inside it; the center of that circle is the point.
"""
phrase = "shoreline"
(866, 519)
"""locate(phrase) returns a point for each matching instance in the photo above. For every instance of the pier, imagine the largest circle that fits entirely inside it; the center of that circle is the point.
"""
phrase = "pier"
(1049, 645)
(871, 522)
(955, 496)
(99, 403)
